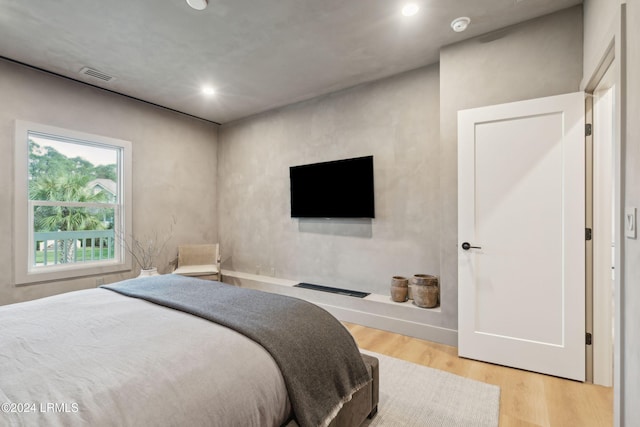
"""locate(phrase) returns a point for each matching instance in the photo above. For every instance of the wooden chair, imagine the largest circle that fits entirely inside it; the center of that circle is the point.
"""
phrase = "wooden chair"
(201, 261)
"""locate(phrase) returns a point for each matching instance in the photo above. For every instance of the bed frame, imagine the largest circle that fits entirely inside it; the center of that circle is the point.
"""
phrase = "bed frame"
(364, 403)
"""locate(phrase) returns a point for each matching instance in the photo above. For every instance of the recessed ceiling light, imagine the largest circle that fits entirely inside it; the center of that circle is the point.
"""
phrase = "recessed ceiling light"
(208, 90)
(197, 4)
(410, 9)
(460, 24)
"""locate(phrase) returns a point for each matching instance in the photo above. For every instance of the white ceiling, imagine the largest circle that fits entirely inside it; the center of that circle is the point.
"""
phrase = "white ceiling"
(258, 54)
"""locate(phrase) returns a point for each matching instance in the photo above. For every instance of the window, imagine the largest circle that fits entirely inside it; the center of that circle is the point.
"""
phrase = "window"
(72, 203)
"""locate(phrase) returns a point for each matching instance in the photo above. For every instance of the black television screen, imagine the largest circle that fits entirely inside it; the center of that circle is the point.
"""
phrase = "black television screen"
(338, 189)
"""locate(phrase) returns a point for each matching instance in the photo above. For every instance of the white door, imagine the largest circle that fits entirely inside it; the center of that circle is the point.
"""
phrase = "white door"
(521, 235)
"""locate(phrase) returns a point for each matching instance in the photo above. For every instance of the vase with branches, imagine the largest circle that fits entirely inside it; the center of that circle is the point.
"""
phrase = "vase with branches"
(146, 249)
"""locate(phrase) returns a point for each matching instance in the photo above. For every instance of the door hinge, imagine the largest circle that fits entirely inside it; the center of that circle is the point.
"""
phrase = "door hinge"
(587, 129)
(587, 234)
(588, 338)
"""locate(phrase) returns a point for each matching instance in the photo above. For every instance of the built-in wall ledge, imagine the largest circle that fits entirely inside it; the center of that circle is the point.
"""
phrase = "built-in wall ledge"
(266, 279)
(375, 310)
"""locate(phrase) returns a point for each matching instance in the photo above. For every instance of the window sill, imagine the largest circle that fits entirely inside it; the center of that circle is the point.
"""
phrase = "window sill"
(65, 273)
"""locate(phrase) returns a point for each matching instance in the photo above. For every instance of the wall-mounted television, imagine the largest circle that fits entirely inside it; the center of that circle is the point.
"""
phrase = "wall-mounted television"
(337, 189)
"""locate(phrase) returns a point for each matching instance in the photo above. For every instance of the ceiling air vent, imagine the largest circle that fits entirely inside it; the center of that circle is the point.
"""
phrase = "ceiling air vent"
(96, 74)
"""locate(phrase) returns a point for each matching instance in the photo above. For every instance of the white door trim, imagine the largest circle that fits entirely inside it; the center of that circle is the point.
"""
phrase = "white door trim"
(603, 233)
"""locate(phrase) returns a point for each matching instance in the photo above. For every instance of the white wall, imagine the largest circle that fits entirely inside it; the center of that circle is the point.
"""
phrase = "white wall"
(174, 163)
(631, 292)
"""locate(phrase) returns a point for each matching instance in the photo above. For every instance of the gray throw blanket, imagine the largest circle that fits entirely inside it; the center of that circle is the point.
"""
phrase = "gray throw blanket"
(318, 358)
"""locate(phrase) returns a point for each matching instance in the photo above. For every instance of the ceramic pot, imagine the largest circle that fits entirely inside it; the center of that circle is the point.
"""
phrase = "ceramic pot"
(399, 288)
(425, 290)
(146, 272)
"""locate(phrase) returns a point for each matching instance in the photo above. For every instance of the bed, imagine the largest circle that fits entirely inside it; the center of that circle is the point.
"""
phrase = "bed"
(175, 351)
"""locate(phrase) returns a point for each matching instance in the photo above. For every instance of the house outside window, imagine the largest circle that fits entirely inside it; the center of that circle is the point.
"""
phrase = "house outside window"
(72, 203)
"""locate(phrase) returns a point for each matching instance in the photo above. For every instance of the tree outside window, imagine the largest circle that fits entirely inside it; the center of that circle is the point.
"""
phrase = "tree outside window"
(84, 194)
(72, 200)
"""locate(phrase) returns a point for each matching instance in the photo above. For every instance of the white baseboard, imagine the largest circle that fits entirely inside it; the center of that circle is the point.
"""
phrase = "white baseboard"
(375, 311)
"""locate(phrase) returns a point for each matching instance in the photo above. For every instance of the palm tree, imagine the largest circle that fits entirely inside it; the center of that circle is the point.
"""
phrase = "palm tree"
(65, 188)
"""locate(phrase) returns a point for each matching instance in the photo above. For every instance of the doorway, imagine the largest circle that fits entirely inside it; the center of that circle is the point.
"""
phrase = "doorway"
(604, 244)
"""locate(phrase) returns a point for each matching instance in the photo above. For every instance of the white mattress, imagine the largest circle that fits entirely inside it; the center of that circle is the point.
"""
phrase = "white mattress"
(98, 358)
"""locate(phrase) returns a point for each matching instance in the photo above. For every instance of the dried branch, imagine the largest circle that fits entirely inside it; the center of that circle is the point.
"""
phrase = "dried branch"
(146, 249)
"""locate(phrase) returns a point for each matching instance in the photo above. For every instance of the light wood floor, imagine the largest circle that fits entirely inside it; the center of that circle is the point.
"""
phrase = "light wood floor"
(526, 399)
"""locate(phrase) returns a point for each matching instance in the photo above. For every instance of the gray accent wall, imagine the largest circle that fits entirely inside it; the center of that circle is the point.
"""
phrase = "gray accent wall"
(409, 123)
(541, 57)
(395, 120)
(174, 164)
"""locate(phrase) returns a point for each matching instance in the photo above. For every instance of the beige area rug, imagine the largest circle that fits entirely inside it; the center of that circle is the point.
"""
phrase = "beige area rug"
(413, 395)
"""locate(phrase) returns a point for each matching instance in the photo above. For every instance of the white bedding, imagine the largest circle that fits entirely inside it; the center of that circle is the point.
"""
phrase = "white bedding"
(98, 358)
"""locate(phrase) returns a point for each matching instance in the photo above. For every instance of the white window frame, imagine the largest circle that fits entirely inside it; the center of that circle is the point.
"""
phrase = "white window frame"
(24, 270)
